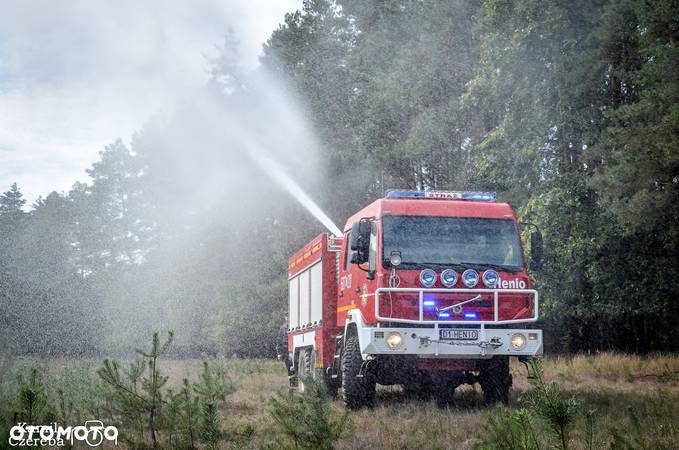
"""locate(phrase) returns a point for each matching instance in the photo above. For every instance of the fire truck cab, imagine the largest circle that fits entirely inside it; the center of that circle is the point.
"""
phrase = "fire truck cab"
(425, 289)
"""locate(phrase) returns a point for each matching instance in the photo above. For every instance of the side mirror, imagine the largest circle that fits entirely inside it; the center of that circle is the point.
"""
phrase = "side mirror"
(359, 241)
(535, 250)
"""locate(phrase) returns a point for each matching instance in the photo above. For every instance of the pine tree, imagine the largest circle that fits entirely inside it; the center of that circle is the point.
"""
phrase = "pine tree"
(12, 201)
(33, 406)
(307, 420)
(184, 415)
(139, 399)
(14, 309)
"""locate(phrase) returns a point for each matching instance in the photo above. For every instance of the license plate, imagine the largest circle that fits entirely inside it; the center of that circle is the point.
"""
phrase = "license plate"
(459, 335)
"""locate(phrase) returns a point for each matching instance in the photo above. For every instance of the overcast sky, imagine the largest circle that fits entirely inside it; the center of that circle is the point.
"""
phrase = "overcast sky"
(75, 75)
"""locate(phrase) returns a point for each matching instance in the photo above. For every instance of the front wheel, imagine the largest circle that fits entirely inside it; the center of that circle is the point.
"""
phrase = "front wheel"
(358, 388)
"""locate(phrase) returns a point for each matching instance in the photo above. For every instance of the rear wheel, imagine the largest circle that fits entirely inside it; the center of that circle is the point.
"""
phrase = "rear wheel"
(331, 386)
(305, 368)
(495, 380)
(358, 389)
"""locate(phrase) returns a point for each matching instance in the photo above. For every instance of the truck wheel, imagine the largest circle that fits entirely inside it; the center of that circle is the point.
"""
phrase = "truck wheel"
(305, 368)
(495, 380)
(331, 387)
(357, 391)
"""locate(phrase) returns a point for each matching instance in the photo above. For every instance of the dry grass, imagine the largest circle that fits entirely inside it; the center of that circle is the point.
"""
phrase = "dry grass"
(613, 385)
(616, 367)
(616, 386)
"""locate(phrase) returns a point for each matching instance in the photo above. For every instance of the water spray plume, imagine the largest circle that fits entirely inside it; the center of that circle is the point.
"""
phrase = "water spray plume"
(295, 190)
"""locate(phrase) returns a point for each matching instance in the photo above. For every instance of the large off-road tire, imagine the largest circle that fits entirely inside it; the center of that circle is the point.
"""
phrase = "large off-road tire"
(357, 391)
(495, 380)
(305, 368)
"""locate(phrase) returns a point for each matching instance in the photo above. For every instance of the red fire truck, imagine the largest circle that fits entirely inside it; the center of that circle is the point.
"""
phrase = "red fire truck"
(425, 289)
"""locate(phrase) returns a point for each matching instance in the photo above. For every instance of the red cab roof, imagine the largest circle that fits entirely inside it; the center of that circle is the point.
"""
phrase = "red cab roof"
(425, 207)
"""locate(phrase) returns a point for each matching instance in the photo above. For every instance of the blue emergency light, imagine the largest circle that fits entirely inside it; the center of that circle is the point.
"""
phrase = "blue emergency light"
(470, 315)
(444, 195)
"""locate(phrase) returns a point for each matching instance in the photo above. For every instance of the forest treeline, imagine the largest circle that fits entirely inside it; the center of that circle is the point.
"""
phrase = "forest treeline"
(569, 110)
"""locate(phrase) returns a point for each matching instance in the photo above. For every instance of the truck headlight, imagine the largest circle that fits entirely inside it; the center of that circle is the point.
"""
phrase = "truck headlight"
(427, 277)
(470, 278)
(490, 278)
(449, 278)
(394, 340)
(518, 341)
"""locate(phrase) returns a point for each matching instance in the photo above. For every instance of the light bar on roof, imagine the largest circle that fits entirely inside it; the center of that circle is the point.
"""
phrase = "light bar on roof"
(444, 195)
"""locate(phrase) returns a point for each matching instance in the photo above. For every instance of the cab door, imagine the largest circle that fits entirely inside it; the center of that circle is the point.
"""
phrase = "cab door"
(358, 281)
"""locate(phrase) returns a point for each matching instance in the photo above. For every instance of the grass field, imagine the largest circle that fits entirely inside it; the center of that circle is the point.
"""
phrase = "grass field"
(630, 396)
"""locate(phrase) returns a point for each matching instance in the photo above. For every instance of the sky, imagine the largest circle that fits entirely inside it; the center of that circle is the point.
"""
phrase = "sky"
(77, 74)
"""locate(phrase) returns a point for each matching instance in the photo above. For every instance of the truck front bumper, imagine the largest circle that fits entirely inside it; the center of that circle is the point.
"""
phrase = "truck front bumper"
(431, 342)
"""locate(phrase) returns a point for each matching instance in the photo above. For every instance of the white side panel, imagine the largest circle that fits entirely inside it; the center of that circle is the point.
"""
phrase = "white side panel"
(316, 292)
(304, 339)
(293, 298)
(304, 298)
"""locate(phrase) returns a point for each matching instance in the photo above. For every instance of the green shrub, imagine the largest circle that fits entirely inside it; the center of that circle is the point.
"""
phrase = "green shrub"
(509, 429)
(183, 418)
(30, 404)
(212, 388)
(306, 419)
(148, 412)
(547, 402)
(136, 399)
(546, 405)
(33, 405)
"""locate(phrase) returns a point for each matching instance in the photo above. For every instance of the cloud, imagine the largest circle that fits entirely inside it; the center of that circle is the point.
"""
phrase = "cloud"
(76, 75)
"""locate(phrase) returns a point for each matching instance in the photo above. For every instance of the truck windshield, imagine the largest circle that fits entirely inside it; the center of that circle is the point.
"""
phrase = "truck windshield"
(452, 241)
